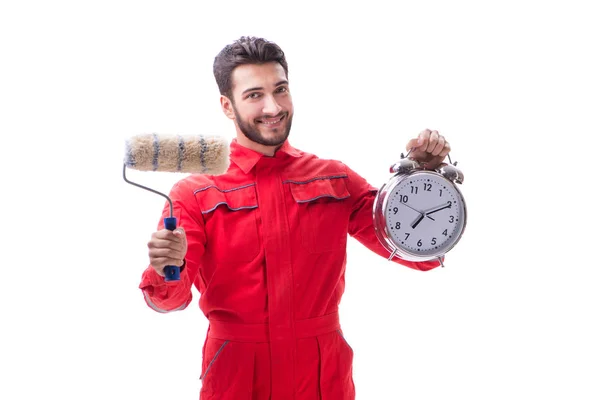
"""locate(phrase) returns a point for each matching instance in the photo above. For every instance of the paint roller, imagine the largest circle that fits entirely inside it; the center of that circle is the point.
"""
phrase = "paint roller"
(174, 153)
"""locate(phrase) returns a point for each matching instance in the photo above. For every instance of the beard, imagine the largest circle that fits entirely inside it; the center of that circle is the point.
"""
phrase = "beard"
(252, 132)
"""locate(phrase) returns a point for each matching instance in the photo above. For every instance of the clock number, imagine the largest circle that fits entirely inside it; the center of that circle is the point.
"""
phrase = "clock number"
(427, 187)
(419, 243)
(445, 233)
(404, 199)
(414, 189)
(433, 242)
(440, 192)
(397, 225)
(395, 210)
(451, 219)
(407, 235)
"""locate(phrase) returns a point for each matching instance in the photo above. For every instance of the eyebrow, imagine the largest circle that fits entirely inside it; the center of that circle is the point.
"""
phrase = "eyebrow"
(283, 82)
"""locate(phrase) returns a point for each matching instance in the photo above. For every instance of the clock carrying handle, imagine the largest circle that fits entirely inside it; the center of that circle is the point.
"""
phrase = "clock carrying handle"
(449, 171)
(410, 151)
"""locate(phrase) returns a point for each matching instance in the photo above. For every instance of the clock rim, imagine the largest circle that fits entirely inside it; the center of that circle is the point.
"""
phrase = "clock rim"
(382, 229)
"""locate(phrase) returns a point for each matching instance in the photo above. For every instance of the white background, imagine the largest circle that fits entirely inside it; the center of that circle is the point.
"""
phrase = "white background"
(513, 85)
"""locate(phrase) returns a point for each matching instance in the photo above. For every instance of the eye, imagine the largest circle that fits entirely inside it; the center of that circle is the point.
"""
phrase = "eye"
(281, 89)
(253, 95)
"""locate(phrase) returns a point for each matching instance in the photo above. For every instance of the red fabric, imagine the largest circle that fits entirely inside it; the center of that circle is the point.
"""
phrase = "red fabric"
(267, 252)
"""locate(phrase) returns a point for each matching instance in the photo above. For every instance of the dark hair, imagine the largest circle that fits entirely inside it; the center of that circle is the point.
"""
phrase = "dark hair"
(245, 50)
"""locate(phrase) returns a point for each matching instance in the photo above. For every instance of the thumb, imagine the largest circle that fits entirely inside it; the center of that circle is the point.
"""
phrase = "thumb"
(180, 233)
(412, 144)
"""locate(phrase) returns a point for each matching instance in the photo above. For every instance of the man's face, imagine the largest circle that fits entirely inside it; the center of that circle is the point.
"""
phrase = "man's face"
(262, 104)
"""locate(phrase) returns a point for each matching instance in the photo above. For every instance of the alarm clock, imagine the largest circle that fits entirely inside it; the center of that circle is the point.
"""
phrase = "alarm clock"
(420, 214)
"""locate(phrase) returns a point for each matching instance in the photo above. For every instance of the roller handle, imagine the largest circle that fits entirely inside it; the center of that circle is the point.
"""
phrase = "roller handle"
(171, 271)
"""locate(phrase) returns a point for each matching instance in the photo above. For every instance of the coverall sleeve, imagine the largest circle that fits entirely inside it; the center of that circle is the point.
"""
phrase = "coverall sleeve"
(164, 296)
(361, 226)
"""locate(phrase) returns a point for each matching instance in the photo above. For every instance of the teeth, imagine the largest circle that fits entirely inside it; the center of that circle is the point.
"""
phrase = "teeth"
(271, 122)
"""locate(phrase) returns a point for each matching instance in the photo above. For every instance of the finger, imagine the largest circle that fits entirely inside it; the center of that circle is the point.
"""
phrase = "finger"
(420, 142)
(424, 138)
(166, 253)
(433, 141)
(412, 144)
(425, 134)
(165, 234)
(176, 245)
(180, 233)
(177, 262)
(439, 146)
(173, 243)
(446, 150)
(160, 262)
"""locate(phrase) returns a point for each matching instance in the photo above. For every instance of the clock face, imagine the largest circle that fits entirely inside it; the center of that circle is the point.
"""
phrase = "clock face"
(424, 214)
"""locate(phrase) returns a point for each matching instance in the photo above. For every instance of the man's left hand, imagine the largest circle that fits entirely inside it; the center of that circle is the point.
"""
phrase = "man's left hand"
(429, 148)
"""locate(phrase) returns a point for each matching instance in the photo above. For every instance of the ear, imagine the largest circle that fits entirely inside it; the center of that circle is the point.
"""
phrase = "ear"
(227, 107)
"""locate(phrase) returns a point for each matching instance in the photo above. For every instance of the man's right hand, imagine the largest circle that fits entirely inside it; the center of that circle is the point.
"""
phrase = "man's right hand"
(167, 248)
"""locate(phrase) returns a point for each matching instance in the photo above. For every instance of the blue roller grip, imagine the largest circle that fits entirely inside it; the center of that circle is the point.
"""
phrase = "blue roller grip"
(171, 271)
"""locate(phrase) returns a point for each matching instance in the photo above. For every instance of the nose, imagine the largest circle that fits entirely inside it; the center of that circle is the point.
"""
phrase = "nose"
(270, 106)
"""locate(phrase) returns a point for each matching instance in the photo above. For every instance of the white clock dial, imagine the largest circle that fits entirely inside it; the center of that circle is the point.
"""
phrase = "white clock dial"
(424, 214)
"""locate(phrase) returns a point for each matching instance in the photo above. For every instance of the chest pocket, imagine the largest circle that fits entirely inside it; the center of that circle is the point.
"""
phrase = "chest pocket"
(323, 213)
(231, 222)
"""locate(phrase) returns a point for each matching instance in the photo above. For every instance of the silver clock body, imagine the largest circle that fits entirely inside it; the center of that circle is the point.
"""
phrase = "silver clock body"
(420, 215)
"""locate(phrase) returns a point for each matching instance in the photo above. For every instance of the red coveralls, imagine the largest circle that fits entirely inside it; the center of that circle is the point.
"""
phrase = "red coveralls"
(267, 252)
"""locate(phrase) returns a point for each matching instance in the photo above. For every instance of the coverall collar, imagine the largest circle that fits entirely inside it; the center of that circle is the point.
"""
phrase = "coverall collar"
(246, 158)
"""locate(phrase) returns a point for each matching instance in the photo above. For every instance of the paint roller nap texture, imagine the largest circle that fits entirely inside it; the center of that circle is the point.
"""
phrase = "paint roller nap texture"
(171, 153)
(174, 153)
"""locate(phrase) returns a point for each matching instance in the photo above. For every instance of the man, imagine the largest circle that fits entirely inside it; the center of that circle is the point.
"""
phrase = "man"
(265, 244)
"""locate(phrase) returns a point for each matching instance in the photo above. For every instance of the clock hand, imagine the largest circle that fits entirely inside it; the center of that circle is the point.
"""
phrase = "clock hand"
(417, 221)
(420, 212)
(412, 208)
(426, 214)
(436, 209)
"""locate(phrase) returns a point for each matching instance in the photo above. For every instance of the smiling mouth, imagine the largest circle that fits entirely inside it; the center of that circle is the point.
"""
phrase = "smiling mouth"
(271, 121)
